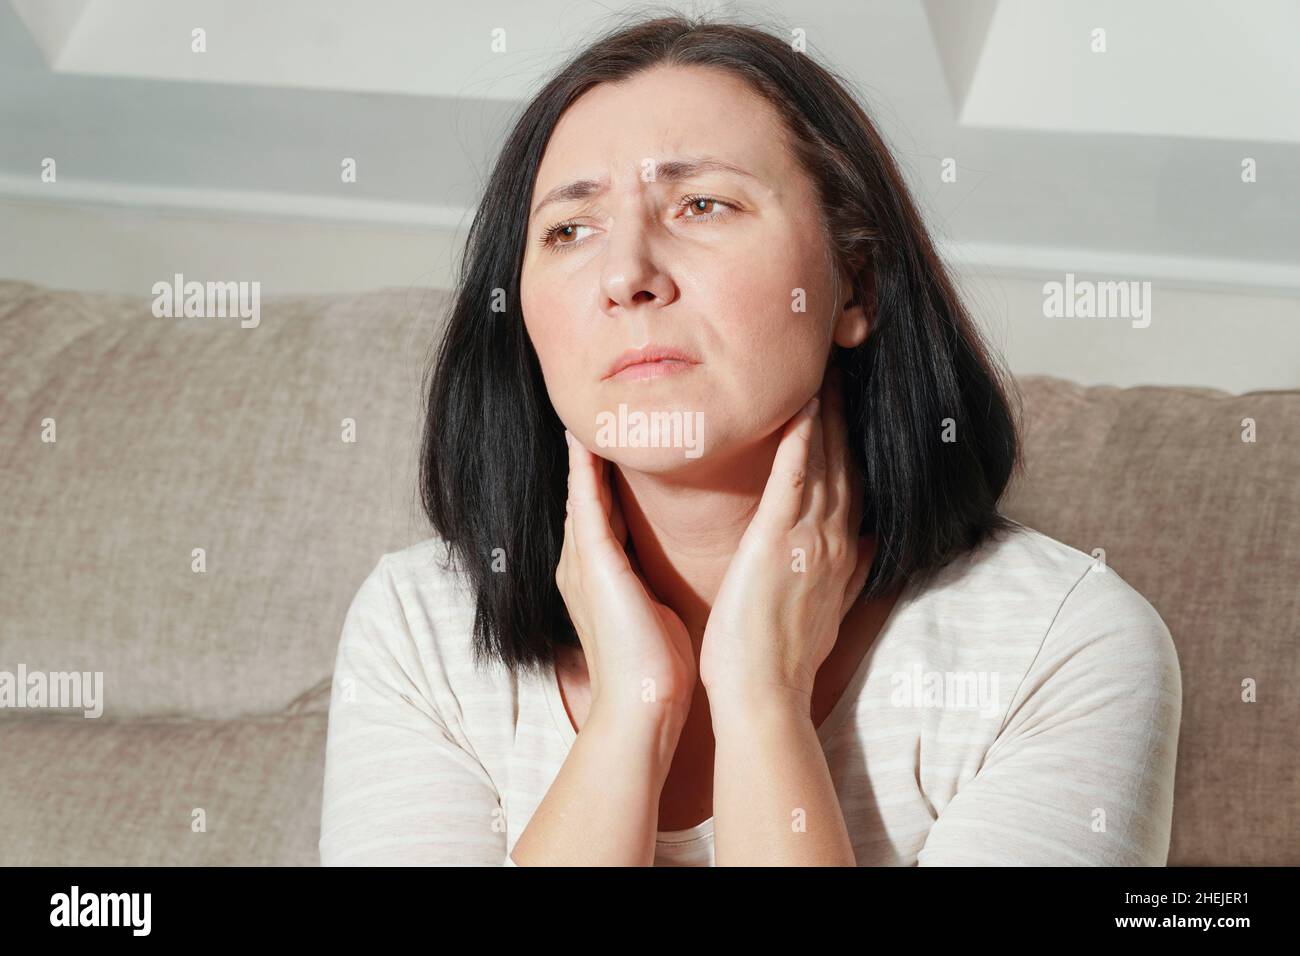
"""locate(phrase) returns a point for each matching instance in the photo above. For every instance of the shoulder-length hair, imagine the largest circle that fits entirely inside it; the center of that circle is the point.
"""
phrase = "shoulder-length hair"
(928, 416)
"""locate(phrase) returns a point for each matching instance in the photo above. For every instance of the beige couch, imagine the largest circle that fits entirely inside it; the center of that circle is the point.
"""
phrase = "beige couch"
(181, 434)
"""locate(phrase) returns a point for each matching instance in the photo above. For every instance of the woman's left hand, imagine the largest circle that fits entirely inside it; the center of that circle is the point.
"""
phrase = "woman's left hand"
(798, 570)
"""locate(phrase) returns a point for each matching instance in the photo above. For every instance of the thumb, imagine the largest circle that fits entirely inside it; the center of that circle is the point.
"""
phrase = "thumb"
(783, 495)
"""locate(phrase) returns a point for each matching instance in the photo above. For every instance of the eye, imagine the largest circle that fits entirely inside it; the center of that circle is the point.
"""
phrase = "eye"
(691, 203)
(567, 230)
(563, 234)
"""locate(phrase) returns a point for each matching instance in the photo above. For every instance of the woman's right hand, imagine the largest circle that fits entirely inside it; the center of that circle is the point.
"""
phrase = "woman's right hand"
(640, 662)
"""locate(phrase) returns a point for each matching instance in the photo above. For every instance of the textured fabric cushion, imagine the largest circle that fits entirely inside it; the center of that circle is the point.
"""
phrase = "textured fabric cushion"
(78, 792)
(183, 433)
(1205, 526)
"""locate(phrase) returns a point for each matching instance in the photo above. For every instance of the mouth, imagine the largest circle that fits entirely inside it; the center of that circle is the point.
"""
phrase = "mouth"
(653, 361)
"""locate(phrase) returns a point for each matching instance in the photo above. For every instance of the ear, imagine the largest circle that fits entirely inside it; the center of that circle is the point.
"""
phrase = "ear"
(853, 321)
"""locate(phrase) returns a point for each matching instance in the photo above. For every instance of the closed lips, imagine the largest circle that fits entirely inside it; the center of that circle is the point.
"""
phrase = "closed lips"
(649, 354)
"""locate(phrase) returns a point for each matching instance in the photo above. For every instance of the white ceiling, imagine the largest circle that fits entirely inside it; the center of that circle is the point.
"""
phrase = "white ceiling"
(1128, 159)
(1209, 69)
(410, 47)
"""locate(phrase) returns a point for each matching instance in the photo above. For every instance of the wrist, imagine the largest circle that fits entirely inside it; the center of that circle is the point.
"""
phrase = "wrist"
(649, 729)
(740, 707)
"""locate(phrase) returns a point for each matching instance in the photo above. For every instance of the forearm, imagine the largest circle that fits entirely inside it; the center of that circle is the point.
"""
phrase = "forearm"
(774, 803)
(603, 807)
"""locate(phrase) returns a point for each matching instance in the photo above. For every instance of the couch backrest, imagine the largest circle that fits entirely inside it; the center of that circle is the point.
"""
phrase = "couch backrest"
(1206, 526)
(176, 434)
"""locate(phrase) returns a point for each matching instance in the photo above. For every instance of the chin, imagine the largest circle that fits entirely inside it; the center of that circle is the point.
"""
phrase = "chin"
(650, 438)
(656, 461)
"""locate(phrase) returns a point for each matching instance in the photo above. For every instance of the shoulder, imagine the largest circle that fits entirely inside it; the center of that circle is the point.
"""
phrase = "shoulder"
(1110, 639)
(1000, 598)
(413, 614)
(1096, 608)
(416, 587)
(1077, 763)
(1101, 636)
(1024, 600)
(1020, 563)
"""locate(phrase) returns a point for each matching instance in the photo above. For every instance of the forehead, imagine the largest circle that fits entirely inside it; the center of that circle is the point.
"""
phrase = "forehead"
(661, 113)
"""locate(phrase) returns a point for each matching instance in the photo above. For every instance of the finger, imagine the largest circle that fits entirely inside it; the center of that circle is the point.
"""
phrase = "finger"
(567, 554)
(815, 498)
(610, 505)
(856, 492)
(837, 453)
(814, 504)
(590, 521)
(570, 546)
(616, 520)
(782, 500)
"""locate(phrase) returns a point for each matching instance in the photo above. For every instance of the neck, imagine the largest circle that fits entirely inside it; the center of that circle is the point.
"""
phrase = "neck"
(685, 528)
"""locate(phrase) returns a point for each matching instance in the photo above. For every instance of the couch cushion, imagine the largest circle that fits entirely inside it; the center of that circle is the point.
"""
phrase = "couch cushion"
(183, 433)
(1206, 527)
(79, 792)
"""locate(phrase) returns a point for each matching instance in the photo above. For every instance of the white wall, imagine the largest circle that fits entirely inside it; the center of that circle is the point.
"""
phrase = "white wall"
(1236, 340)
(1233, 340)
(128, 250)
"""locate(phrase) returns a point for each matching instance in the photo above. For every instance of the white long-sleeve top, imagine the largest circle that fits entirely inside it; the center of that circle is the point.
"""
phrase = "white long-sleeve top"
(1021, 709)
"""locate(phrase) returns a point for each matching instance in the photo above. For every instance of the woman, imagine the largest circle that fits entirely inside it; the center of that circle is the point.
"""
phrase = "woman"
(787, 627)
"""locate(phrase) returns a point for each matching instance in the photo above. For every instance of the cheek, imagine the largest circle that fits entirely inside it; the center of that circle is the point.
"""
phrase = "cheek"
(544, 311)
(556, 338)
(780, 328)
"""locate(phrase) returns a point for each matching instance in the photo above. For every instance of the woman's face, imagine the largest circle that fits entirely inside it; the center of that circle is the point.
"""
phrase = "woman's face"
(729, 267)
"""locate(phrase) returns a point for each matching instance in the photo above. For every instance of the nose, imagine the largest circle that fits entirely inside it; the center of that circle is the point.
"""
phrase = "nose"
(634, 271)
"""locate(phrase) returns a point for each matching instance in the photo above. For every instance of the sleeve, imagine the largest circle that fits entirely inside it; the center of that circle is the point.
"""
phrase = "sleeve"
(398, 789)
(1082, 771)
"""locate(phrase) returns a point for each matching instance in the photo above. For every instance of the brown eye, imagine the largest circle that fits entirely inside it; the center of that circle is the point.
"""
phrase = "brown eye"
(562, 234)
(693, 206)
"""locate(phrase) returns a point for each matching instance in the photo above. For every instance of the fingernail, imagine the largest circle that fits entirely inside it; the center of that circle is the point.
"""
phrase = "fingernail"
(811, 408)
(568, 439)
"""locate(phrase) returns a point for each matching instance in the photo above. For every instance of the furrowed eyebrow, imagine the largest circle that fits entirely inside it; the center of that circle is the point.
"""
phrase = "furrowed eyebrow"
(670, 170)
